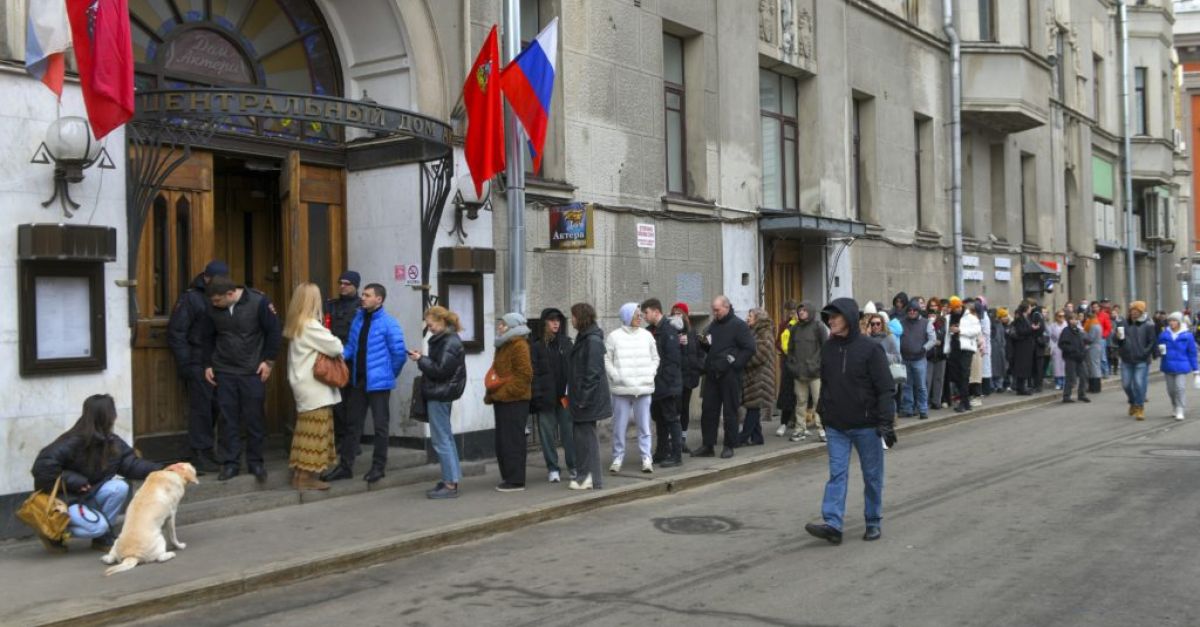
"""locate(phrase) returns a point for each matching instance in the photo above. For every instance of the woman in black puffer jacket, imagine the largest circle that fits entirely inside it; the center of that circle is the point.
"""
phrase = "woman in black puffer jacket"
(89, 457)
(443, 378)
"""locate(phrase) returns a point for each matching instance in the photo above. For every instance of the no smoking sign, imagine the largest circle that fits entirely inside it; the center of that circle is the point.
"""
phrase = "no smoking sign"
(409, 274)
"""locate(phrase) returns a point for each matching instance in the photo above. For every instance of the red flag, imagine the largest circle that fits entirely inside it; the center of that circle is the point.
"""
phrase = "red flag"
(484, 146)
(104, 51)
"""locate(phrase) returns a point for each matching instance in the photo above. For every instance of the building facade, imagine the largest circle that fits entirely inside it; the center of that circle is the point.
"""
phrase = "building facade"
(768, 150)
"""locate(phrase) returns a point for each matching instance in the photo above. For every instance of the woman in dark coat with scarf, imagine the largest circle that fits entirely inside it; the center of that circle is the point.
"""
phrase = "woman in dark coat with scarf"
(588, 397)
(693, 364)
(94, 464)
(1024, 345)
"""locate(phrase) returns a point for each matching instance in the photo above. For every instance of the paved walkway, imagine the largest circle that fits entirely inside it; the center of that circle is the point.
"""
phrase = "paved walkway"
(233, 555)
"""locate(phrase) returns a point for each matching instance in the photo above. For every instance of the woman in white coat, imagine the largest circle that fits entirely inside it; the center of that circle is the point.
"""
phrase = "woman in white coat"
(631, 361)
(312, 442)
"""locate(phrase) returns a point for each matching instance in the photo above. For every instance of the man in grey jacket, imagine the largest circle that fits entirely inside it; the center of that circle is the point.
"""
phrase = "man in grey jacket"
(807, 337)
(919, 336)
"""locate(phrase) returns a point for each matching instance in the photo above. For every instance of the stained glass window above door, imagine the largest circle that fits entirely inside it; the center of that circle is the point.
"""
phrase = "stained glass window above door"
(281, 45)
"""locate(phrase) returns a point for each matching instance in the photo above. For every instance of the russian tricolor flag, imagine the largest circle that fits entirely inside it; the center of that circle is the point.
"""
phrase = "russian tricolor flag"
(528, 83)
(47, 38)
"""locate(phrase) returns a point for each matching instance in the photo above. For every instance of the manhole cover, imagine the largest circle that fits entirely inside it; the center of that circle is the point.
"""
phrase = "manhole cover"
(1174, 452)
(696, 525)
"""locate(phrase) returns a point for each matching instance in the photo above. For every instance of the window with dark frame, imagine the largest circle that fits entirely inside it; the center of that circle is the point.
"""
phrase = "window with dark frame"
(856, 144)
(918, 156)
(61, 317)
(531, 25)
(1139, 101)
(780, 146)
(987, 20)
(1097, 92)
(676, 125)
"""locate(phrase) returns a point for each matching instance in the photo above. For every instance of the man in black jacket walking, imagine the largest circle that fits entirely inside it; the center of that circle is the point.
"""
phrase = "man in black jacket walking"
(242, 339)
(668, 386)
(858, 409)
(184, 331)
(729, 345)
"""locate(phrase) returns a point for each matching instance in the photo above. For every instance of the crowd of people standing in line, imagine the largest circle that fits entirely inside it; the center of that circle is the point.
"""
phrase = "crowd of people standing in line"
(851, 371)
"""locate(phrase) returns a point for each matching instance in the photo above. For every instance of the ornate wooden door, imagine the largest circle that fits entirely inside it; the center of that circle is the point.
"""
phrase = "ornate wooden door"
(176, 243)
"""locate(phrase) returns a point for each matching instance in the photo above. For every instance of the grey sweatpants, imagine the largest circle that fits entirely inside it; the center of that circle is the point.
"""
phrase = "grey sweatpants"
(1177, 390)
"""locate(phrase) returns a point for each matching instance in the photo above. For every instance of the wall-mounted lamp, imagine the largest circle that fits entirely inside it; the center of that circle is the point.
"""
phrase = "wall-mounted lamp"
(70, 146)
(466, 203)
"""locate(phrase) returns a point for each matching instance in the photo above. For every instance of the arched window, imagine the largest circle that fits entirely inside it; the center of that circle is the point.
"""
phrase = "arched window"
(281, 45)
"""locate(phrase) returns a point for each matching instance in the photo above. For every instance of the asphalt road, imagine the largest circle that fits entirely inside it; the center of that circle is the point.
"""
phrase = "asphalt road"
(1072, 515)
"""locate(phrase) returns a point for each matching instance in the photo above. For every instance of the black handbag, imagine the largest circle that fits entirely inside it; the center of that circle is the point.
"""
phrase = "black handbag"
(417, 410)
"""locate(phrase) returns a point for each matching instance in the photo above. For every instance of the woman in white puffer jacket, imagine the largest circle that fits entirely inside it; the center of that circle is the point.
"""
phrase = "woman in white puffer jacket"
(631, 361)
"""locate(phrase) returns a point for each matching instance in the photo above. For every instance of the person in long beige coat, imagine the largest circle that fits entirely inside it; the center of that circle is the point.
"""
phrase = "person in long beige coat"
(312, 441)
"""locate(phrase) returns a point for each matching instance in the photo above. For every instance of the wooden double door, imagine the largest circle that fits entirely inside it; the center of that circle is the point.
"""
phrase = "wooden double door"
(785, 276)
(276, 224)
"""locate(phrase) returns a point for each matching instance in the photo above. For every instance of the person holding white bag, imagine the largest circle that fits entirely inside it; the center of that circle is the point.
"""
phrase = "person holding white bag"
(1177, 346)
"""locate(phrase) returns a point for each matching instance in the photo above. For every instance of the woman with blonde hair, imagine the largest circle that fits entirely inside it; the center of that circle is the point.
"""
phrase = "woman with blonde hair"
(312, 441)
(443, 379)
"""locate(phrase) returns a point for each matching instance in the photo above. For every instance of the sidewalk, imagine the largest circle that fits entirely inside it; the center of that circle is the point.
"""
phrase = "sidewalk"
(234, 555)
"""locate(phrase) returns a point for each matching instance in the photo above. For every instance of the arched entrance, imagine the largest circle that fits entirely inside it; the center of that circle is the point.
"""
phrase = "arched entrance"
(238, 151)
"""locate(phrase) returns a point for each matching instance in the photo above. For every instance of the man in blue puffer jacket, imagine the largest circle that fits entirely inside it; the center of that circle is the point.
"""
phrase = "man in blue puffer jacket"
(375, 353)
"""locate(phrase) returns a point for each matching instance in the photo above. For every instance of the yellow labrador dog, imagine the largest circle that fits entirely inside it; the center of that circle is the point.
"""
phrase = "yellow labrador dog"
(141, 540)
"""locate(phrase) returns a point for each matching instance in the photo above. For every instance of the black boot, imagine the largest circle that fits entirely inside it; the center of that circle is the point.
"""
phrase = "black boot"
(675, 458)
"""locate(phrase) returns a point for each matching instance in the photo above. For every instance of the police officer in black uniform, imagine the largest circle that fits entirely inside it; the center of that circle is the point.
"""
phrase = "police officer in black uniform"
(339, 313)
(184, 338)
(242, 339)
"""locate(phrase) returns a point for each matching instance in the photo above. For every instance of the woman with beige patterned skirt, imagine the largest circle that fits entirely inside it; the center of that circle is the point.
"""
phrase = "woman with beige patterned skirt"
(312, 441)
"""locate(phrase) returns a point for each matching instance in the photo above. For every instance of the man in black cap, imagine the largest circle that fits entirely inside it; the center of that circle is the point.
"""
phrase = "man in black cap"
(339, 313)
(184, 339)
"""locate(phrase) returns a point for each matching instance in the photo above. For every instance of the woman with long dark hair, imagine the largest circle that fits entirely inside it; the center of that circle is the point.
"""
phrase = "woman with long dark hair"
(88, 457)
(588, 396)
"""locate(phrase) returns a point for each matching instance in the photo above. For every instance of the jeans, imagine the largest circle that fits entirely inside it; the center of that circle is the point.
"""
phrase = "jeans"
(870, 457)
(751, 428)
(639, 406)
(556, 418)
(442, 439)
(1135, 378)
(90, 517)
(241, 398)
(356, 411)
(914, 388)
(935, 380)
(1104, 365)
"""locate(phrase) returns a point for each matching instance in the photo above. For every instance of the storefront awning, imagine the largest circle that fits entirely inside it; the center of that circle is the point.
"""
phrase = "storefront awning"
(798, 224)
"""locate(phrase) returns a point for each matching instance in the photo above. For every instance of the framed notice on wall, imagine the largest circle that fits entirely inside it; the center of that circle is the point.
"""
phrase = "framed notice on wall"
(61, 310)
(571, 226)
(462, 293)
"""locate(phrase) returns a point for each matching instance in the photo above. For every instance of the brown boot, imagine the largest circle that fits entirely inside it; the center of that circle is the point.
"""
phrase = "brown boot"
(1140, 412)
(309, 481)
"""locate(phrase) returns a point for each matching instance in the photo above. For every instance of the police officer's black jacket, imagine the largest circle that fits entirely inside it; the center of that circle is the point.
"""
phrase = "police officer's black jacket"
(857, 390)
(185, 329)
(237, 343)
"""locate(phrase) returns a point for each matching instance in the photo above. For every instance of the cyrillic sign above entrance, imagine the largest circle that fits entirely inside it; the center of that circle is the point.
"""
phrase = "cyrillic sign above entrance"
(176, 105)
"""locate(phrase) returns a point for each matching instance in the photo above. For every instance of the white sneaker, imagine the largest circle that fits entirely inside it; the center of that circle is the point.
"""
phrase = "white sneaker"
(821, 435)
(647, 465)
(781, 431)
(616, 466)
(554, 476)
(1178, 414)
(798, 435)
(976, 402)
(586, 484)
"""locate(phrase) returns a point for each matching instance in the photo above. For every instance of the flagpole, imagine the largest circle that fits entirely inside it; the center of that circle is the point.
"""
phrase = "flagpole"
(515, 164)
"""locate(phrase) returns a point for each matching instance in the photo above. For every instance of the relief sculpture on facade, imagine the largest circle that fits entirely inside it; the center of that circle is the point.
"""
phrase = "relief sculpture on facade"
(767, 28)
(804, 33)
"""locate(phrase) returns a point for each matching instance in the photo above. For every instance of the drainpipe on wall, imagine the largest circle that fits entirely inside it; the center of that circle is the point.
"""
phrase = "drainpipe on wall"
(955, 140)
(515, 160)
(1130, 281)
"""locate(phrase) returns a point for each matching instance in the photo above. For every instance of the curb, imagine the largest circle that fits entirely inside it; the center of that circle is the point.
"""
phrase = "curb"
(218, 588)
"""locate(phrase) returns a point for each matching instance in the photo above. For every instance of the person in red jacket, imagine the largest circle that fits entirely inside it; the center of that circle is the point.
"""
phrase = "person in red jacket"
(1106, 329)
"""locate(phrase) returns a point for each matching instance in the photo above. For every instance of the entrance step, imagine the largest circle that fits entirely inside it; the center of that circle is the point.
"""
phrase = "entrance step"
(213, 499)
